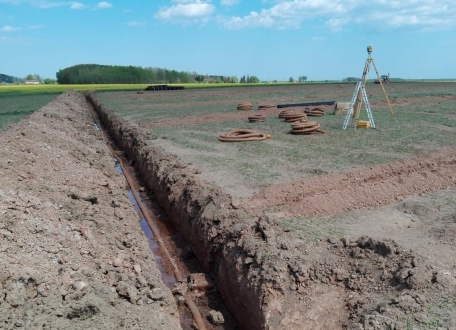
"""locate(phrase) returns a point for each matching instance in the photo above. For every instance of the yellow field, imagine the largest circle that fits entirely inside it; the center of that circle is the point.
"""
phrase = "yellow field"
(56, 89)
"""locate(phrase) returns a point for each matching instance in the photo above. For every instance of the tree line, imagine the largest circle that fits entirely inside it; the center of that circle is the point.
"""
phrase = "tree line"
(8, 79)
(108, 74)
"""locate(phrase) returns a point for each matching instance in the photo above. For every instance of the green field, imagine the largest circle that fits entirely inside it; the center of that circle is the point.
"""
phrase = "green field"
(424, 122)
(18, 101)
(57, 89)
(15, 107)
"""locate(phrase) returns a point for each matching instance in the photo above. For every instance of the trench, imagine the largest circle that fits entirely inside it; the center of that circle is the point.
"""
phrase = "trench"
(236, 250)
(205, 297)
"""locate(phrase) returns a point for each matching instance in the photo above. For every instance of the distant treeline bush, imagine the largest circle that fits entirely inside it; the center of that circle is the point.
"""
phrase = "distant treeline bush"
(7, 79)
(108, 74)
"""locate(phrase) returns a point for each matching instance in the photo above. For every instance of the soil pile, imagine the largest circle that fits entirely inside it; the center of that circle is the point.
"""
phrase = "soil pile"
(72, 255)
(370, 187)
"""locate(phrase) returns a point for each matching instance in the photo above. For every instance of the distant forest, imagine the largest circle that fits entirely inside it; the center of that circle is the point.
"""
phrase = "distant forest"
(107, 74)
(7, 79)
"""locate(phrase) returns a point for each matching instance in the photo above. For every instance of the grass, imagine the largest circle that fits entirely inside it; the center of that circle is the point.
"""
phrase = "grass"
(15, 107)
(18, 101)
(419, 128)
(440, 315)
(416, 129)
(57, 89)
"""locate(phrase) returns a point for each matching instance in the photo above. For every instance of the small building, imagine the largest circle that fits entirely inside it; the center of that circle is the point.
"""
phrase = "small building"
(32, 82)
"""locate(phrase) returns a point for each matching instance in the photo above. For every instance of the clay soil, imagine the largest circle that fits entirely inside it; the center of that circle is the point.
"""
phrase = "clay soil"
(370, 248)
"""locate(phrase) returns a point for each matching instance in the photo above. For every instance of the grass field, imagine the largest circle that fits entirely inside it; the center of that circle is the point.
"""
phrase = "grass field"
(18, 101)
(15, 107)
(57, 89)
(424, 121)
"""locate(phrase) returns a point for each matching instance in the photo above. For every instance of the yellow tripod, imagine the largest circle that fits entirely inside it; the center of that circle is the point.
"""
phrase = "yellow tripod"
(360, 94)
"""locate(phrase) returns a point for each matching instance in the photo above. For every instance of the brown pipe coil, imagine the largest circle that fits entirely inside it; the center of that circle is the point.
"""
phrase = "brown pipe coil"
(256, 118)
(245, 106)
(287, 112)
(266, 106)
(243, 135)
(318, 111)
(305, 128)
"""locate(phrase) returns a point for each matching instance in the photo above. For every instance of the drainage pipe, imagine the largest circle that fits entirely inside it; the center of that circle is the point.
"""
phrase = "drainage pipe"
(179, 278)
(305, 104)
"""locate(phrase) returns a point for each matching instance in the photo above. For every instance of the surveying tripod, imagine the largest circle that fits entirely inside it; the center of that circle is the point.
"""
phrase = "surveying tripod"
(360, 95)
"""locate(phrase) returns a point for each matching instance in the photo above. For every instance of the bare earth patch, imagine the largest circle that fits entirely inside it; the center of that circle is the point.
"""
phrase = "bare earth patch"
(366, 188)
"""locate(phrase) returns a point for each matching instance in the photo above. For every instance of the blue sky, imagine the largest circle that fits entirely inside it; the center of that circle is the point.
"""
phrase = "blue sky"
(271, 39)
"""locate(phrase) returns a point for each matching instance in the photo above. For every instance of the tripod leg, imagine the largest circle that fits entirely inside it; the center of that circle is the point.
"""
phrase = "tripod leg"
(384, 91)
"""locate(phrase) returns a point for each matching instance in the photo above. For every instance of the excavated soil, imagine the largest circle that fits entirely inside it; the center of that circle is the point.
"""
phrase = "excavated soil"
(367, 188)
(72, 254)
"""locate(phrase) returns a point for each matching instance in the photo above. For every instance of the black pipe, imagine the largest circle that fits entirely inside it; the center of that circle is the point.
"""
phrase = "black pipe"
(305, 104)
(164, 88)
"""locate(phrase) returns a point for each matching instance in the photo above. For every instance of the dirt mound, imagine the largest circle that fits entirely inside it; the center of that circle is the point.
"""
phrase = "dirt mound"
(335, 283)
(371, 187)
(71, 252)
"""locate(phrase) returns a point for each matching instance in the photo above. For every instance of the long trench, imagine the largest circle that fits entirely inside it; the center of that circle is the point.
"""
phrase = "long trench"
(195, 293)
(236, 249)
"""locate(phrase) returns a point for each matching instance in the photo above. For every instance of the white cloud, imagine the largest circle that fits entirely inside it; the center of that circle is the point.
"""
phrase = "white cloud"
(254, 19)
(339, 14)
(133, 23)
(103, 5)
(77, 5)
(229, 2)
(186, 11)
(34, 27)
(8, 28)
(286, 14)
(421, 14)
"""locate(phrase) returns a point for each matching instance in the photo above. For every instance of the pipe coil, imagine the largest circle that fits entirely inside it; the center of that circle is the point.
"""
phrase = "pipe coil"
(315, 112)
(256, 118)
(245, 106)
(305, 128)
(243, 135)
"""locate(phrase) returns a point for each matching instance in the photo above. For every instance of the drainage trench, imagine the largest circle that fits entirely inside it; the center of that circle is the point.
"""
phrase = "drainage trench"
(195, 293)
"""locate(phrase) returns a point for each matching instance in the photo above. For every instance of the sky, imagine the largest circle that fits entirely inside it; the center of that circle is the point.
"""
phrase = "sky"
(271, 39)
